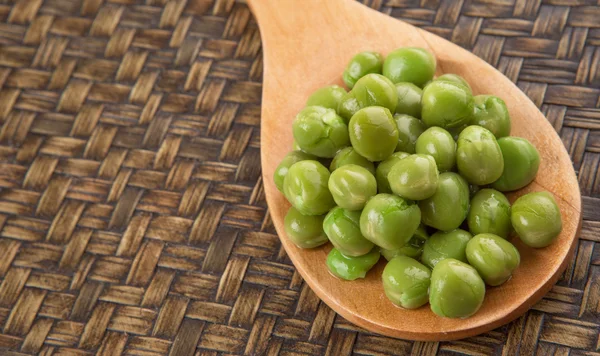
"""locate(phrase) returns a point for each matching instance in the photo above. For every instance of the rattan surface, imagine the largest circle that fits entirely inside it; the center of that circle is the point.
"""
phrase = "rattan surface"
(132, 216)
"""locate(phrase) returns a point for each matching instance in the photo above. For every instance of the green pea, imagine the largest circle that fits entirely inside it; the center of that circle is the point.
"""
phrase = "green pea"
(305, 231)
(351, 268)
(446, 104)
(521, 164)
(494, 258)
(478, 156)
(456, 290)
(491, 113)
(453, 78)
(409, 130)
(283, 167)
(375, 90)
(295, 146)
(414, 247)
(406, 282)
(389, 221)
(439, 144)
(351, 186)
(490, 213)
(410, 64)
(536, 219)
(305, 187)
(328, 97)
(447, 208)
(384, 168)
(320, 131)
(373, 133)
(443, 245)
(343, 230)
(349, 156)
(414, 177)
(409, 99)
(348, 107)
(360, 65)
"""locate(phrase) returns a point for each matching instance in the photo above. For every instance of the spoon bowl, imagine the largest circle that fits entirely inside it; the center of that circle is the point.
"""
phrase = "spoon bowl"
(306, 45)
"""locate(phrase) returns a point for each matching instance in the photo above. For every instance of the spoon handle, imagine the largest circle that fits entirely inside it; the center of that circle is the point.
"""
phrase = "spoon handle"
(288, 12)
(282, 18)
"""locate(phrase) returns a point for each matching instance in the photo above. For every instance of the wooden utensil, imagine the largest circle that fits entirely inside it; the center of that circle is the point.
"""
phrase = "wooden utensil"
(306, 45)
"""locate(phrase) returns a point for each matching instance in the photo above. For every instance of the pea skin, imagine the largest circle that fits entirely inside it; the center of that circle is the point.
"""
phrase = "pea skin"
(360, 65)
(343, 230)
(536, 219)
(351, 268)
(305, 187)
(320, 131)
(457, 290)
(305, 231)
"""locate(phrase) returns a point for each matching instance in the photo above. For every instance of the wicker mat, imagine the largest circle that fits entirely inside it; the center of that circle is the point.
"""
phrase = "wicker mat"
(132, 214)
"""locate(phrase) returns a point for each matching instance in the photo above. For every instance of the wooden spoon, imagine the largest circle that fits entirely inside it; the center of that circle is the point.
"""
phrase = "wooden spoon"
(306, 45)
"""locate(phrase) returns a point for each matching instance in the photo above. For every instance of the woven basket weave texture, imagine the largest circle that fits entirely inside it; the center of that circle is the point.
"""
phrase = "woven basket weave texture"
(132, 215)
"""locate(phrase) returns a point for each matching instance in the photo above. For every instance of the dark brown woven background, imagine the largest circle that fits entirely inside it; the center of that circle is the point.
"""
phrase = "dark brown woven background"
(132, 214)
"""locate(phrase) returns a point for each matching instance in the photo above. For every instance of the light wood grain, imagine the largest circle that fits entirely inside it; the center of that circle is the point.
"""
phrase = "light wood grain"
(306, 45)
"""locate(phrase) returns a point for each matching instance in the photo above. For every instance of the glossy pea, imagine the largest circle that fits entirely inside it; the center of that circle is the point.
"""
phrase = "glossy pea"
(343, 230)
(456, 290)
(375, 90)
(409, 130)
(490, 213)
(409, 99)
(478, 156)
(283, 167)
(406, 282)
(348, 107)
(360, 65)
(446, 104)
(320, 131)
(414, 177)
(384, 168)
(521, 164)
(490, 111)
(370, 90)
(351, 186)
(373, 133)
(410, 64)
(328, 97)
(494, 258)
(414, 247)
(443, 245)
(389, 221)
(349, 155)
(305, 187)
(351, 268)
(305, 231)
(448, 207)
(536, 219)
(439, 144)
(453, 78)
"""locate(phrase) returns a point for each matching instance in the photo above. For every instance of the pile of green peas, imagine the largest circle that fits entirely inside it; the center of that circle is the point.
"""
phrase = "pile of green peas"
(418, 167)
